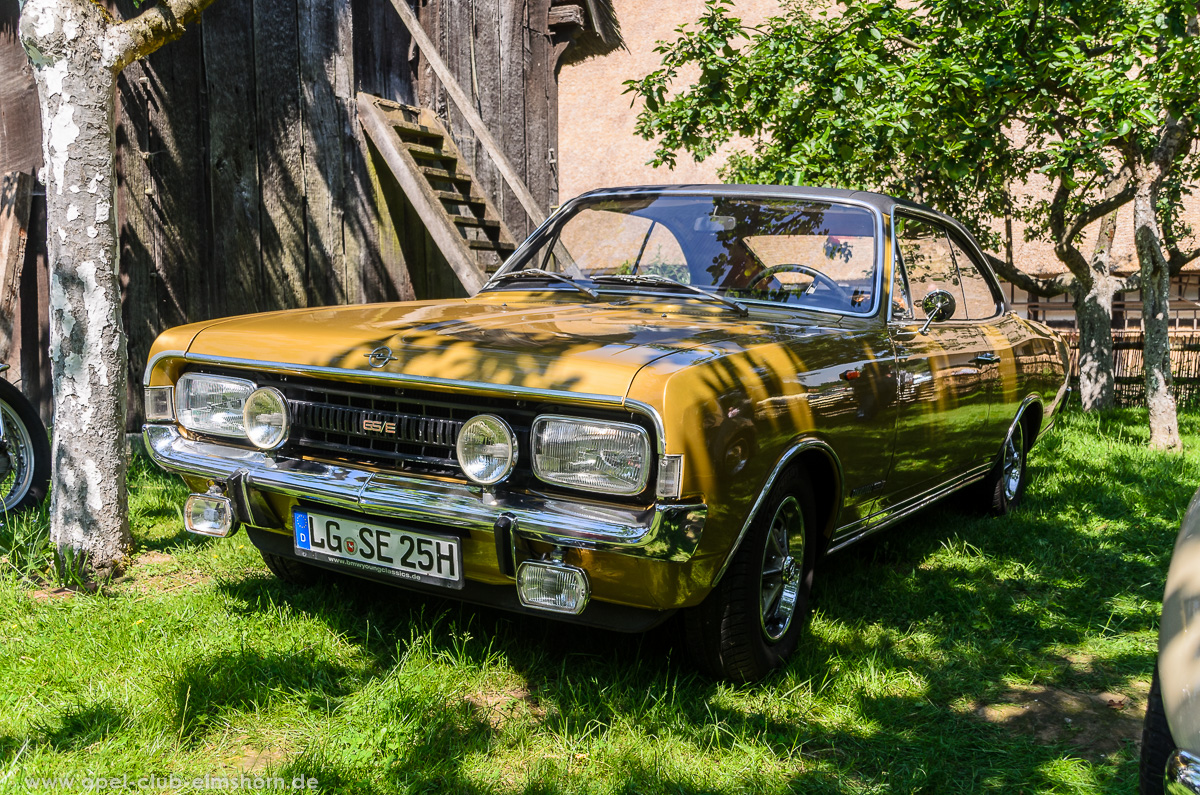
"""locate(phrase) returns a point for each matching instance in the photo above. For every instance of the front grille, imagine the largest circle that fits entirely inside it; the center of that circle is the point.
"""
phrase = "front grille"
(401, 430)
(373, 423)
(405, 428)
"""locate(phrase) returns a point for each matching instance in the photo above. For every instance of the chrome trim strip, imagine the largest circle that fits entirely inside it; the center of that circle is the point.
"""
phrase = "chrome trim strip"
(784, 461)
(1182, 776)
(662, 532)
(451, 385)
(1021, 413)
(156, 358)
(859, 530)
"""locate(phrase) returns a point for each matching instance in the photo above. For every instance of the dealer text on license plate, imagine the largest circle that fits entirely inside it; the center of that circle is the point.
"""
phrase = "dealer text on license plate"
(405, 554)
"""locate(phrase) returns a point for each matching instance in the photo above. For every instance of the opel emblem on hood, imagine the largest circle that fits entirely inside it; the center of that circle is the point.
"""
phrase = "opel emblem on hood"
(380, 356)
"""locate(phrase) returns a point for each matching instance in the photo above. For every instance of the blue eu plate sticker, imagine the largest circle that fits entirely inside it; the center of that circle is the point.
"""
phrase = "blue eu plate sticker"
(301, 520)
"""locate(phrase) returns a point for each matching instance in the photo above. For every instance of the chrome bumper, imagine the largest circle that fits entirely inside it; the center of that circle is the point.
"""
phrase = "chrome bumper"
(664, 532)
(1183, 774)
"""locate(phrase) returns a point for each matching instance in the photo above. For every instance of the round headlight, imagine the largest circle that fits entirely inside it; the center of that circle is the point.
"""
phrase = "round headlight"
(266, 418)
(487, 449)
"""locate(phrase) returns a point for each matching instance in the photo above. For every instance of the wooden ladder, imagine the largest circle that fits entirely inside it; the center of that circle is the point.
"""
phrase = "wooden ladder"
(438, 182)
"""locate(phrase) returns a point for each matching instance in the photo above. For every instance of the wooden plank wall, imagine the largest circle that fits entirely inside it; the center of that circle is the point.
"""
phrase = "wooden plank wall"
(21, 151)
(505, 58)
(244, 183)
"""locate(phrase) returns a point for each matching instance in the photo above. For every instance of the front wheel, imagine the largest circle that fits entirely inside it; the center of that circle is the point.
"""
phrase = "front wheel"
(749, 624)
(24, 452)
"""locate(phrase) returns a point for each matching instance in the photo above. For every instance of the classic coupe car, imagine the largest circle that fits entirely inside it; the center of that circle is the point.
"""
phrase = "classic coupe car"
(1170, 760)
(668, 399)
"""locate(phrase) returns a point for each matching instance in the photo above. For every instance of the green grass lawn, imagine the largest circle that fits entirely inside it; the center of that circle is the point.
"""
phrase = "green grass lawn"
(954, 654)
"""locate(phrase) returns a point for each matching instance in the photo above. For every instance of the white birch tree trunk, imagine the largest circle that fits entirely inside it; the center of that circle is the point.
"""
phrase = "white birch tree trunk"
(77, 51)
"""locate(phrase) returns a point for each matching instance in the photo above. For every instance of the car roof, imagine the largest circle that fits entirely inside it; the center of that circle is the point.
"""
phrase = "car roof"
(879, 201)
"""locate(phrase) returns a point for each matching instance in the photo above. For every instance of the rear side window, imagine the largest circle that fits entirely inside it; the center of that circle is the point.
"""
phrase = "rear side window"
(978, 298)
(928, 263)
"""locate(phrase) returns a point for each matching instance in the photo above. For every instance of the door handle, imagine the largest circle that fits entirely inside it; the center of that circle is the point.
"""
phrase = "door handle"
(985, 358)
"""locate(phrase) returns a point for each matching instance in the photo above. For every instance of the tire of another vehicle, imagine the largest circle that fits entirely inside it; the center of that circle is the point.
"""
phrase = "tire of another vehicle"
(291, 571)
(1157, 744)
(732, 634)
(27, 447)
(1002, 489)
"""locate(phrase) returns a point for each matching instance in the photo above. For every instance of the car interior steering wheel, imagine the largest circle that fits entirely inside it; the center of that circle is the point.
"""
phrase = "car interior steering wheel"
(817, 277)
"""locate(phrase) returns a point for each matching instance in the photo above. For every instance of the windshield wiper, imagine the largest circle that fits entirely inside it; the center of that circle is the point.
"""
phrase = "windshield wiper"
(544, 274)
(666, 281)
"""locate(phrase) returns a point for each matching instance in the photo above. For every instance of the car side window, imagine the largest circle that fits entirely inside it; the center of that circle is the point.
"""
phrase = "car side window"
(927, 262)
(978, 299)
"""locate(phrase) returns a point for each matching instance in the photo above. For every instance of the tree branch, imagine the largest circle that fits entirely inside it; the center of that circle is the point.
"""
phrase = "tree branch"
(1118, 193)
(1046, 288)
(1177, 260)
(138, 37)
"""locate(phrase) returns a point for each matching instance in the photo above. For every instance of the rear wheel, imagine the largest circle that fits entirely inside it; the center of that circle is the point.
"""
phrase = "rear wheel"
(1005, 483)
(291, 571)
(750, 623)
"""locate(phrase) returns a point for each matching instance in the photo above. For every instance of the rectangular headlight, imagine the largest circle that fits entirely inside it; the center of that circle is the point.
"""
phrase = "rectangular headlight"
(212, 403)
(606, 457)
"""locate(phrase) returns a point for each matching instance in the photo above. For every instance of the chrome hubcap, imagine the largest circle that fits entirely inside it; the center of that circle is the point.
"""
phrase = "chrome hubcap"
(779, 586)
(1012, 463)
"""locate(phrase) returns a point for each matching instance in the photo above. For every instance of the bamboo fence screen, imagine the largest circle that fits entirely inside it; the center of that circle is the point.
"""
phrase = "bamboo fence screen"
(1128, 368)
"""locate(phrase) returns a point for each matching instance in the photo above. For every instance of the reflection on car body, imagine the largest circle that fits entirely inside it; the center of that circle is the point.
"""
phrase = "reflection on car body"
(669, 399)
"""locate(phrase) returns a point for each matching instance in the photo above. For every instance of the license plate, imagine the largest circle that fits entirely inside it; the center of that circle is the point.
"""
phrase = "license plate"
(370, 547)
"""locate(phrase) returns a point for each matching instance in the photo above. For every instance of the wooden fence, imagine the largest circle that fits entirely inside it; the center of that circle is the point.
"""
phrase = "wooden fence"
(1128, 366)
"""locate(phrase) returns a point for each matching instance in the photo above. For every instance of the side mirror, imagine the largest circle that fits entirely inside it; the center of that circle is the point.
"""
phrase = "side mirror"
(938, 305)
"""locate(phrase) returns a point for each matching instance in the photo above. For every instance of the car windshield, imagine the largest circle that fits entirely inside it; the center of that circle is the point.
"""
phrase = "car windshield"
(742, 248)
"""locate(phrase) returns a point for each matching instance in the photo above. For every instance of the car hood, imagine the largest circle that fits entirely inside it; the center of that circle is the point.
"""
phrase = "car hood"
(593, 348)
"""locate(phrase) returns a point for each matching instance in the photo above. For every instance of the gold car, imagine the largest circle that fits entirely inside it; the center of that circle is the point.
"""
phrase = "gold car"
(668, 399)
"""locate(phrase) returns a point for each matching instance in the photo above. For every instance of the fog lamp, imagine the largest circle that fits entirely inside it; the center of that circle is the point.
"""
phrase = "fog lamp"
(208, 515)
(557, 587)
(265, 417)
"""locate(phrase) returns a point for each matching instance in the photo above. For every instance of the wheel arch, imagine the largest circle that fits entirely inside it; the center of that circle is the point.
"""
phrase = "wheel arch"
(823, 469)
(1031, 421)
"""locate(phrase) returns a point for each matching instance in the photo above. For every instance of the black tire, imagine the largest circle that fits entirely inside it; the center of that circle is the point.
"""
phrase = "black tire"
(732, 634)
(1157, 744)
(290, 570)
(24, 452)
(1002, 489)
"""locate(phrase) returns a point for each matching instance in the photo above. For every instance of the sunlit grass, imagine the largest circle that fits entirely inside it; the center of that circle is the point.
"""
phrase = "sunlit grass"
(202, 664)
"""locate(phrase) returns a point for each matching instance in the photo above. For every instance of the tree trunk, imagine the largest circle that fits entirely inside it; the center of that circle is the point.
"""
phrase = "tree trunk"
(89, 525)
(1093, 312)
(1156, 292)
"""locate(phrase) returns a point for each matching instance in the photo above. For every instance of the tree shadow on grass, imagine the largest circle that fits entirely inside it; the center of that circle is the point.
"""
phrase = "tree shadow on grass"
(208, 689)
(910, 633)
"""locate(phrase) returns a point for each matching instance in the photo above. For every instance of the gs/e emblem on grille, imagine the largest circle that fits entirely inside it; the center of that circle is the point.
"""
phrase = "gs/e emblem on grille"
(380, 356)
(378, 426)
